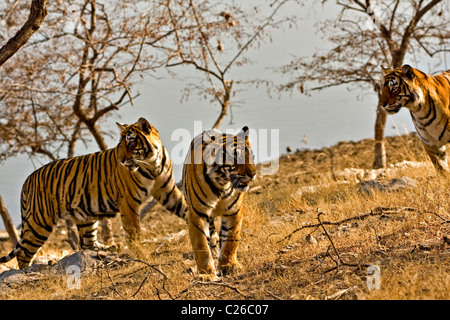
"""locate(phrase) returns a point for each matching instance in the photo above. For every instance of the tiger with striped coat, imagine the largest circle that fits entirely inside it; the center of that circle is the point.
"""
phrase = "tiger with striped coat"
(428, 99)
(216, 174)
(97, 185)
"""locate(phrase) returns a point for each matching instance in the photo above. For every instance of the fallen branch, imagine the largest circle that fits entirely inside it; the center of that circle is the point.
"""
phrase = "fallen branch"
(114, 285)
(320, 262)
(160, 272)
(139, 289)
(339, 261)
(148, 265)
(378, 211)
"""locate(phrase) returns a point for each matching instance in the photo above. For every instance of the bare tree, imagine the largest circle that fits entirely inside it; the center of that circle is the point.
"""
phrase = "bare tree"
(80, 69)
(366, 35)
(70, 77)
(214, 37)
(38, 11)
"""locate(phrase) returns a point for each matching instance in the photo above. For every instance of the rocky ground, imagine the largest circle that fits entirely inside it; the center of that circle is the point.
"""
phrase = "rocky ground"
(320, 228)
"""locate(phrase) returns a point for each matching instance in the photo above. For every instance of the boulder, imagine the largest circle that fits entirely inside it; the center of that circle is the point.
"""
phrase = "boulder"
(391, 185)
(14, 278)
(87, 261)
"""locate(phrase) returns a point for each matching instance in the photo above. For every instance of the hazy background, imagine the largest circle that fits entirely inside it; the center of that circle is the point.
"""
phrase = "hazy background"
(326, 117)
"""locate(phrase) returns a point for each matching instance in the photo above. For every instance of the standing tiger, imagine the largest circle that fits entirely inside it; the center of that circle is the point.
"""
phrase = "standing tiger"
(216, 174)
(428, 99)
(98, 185)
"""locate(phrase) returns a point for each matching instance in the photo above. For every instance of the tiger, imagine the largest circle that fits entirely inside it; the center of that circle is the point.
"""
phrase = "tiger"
(216, 175)
(428, 99)
(102, 184)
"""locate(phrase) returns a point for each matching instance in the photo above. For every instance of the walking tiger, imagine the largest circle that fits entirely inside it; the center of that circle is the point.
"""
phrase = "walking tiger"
(216, 174)
(97, 185)
(428, 99)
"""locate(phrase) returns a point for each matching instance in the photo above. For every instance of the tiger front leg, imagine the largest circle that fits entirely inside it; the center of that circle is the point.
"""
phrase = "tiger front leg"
(130, 222)
(214, 240)
(229, 239)
(439, 158)
(198, 233)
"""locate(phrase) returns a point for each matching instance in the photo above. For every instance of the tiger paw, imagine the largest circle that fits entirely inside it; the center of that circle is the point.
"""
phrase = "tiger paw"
(117, 247)
(95, 246)
(229, 268)
(207, 277)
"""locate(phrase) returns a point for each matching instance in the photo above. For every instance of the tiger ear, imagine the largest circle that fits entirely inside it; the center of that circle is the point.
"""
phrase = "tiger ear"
(408, 71)
(146, 127)
(244, 133)
(208, 136)
(121, 126)
(385, 70)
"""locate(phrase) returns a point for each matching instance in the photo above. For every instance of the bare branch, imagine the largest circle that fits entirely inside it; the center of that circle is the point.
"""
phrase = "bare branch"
(38, 11)
(257, 33)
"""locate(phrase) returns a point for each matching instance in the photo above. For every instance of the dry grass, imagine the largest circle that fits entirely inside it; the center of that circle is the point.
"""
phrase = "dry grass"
(285, 252)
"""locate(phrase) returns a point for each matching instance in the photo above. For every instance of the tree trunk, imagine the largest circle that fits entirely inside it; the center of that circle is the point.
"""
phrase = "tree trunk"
(380, 151)
(38, 11)
(9, 226)
(228, 86)
(222, 115)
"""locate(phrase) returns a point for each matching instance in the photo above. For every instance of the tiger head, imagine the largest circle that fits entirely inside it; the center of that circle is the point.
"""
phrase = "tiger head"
(140, 144)
(233, 159)
(400, 88)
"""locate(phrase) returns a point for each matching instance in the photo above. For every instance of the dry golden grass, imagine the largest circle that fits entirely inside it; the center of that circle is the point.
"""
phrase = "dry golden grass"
(282, 255)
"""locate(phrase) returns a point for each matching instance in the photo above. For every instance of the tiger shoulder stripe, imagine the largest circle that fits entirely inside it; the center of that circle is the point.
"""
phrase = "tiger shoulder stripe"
(97, 185)
(427, 97)
(216, 174)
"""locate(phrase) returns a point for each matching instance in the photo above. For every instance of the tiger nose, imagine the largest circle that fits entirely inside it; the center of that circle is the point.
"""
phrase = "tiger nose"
(251, 172)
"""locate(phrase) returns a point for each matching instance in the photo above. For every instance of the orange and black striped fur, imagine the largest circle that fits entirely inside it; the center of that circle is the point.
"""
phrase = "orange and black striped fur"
(98, 185)
(216, 174)
(428, 99)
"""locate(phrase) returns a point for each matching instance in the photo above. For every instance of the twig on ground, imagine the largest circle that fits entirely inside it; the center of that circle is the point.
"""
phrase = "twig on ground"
(139, 289)
(378, 211)
(273, 295)
(160, 272)
(320, 262)
(148, 265)
(339, 261)
(113, 285)
(439, 216)
(222, 284)
(338, 294)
